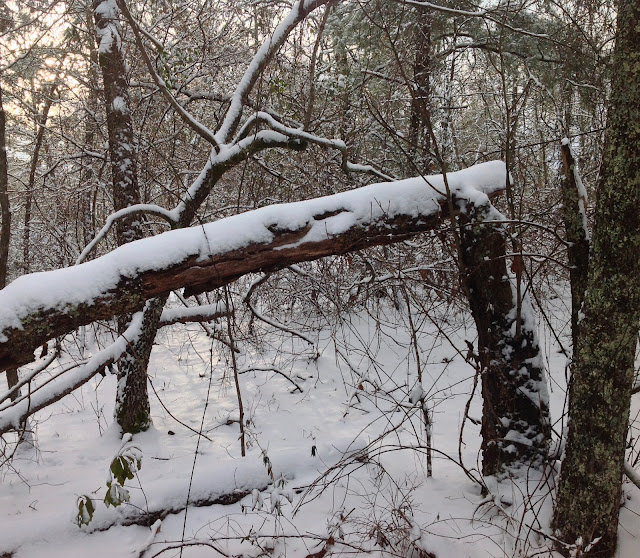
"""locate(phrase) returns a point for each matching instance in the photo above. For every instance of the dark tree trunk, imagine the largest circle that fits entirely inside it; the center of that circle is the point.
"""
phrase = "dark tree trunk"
(41, 123)
(5, 214)
(574, 206)
(515, 418)
(602, 376)
(419, 130)
(132, 402)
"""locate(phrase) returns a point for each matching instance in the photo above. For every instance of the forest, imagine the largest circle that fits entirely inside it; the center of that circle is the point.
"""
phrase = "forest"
(317, 278)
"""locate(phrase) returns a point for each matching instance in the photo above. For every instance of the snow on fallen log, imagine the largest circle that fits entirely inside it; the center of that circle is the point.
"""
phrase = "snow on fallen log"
(40, 306)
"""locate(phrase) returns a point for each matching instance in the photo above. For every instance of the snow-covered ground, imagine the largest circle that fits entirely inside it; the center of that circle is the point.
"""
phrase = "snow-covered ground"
(338, 465)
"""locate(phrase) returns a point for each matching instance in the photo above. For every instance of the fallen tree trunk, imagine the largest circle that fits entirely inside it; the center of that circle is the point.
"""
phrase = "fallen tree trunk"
(40, 306)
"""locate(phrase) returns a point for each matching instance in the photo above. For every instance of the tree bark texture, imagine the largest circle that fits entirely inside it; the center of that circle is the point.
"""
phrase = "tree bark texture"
(515, 419)
(199, 273)
(132, 409)
(602, 375)
(124, 174)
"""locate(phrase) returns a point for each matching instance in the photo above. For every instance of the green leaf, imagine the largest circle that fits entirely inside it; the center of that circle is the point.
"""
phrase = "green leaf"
(85, 510)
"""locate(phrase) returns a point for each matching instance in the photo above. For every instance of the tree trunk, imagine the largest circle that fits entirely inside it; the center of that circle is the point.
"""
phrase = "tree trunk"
(574, 206)
(132, 402)
(602, 376)
(515, 418)
(419, 130)
(41, 123)
(5, 209)
(5, 214)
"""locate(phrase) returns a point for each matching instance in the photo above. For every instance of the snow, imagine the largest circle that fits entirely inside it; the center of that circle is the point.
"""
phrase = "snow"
(369, 472)
(85, 282)
(110, 13)
(119, 105)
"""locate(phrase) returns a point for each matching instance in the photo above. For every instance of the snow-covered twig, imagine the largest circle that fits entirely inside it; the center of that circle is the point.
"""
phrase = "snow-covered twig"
(28, 377)
(155, 528)
(631, 473)
(482, 14)
(203, 313)
(296, 133)
(271, 369)
(247, 300)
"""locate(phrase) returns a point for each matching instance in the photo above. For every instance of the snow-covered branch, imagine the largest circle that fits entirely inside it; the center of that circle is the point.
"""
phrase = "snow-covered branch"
(300, 10)
(495, 15)
(203, 313)
(300, 134)
(40, 306)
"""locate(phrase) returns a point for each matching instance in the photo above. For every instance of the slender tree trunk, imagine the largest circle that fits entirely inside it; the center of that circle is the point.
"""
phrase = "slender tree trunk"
(41, 123)
(419, 135)
(132, 402)
(515, 418)
(5, 214)
(87, 174)
(574, 206)
(602, 376)
(5, 209)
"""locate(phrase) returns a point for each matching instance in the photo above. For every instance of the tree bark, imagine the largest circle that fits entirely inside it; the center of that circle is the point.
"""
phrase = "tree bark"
(419, 129)
(602, 376)
(515, 419)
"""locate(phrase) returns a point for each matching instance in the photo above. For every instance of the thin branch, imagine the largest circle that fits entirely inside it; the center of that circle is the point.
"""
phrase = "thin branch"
(142, 208)
(271, 369)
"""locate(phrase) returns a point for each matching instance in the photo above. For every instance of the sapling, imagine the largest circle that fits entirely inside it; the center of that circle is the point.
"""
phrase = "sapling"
(124, 466)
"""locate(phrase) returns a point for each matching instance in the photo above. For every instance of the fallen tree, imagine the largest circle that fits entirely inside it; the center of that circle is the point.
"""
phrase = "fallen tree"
(41, 306)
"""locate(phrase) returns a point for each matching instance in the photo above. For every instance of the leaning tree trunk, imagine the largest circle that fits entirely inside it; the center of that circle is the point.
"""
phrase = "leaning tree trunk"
(515, 418)
(132, 402)
(602, 377)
